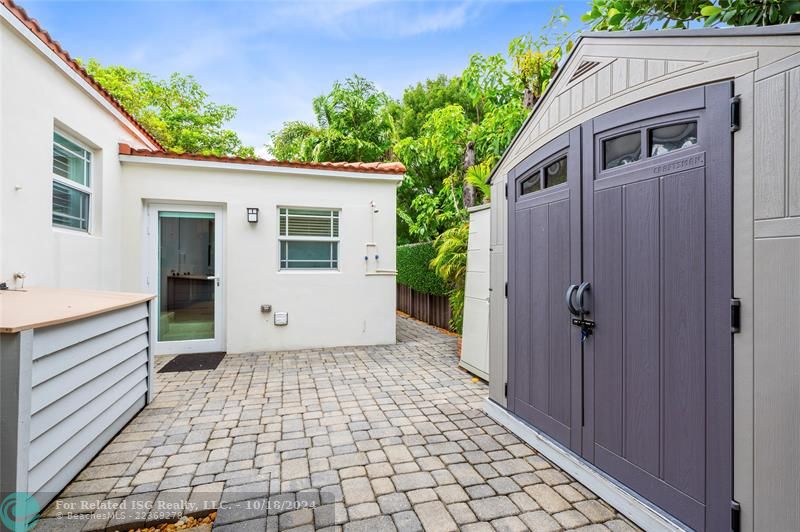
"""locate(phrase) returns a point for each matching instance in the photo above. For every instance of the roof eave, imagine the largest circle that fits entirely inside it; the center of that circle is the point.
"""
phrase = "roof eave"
(244, 166)
(30, 29)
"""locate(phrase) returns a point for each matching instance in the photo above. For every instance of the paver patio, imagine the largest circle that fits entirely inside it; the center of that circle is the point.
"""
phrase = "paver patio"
(366, 438)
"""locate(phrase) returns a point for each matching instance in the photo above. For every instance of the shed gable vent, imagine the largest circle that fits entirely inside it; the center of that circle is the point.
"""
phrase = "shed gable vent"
(582, 69)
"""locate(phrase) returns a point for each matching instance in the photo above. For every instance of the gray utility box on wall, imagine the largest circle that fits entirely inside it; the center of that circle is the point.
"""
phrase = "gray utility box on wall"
(281, 318)
(75, 368)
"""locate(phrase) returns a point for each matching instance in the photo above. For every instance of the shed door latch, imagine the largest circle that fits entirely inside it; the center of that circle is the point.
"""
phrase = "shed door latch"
(736, 516)
(736, 114)
(736, 315)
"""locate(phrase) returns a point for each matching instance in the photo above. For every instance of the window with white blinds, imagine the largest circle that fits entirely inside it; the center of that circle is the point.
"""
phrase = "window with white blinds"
(72, 183)
(308, 238)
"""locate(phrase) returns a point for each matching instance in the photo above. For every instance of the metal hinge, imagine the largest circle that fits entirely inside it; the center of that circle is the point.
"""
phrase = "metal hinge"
(506, 390)
(506, 189)
(736, 516)
(506, 289)
(736, 315)
(736, 114)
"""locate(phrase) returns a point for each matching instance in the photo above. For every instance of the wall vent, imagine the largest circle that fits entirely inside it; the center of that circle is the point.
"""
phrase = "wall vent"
(582, 69)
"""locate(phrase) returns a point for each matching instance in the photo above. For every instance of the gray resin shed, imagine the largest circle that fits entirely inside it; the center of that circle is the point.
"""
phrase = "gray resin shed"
(647, 221)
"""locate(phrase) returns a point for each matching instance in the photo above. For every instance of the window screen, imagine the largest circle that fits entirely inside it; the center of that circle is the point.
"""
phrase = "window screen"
(308, 238)
(72, 171)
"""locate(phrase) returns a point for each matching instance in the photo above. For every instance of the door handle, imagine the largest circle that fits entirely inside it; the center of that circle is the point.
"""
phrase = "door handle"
(582, 289)
(213, 278)
(568, 297)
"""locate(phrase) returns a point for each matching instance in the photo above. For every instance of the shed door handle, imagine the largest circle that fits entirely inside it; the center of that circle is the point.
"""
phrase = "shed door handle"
(568, 297)
(582, 289)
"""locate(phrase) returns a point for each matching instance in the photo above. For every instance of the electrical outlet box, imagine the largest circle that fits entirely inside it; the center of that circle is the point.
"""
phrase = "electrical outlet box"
(281, 318)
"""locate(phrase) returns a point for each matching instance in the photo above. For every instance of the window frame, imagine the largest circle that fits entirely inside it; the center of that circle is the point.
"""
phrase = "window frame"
(331, 239)
(74, 185)
(540, 169)
(644, 129)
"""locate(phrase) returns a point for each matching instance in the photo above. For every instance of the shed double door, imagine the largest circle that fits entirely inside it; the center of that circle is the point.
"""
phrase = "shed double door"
(642, 221)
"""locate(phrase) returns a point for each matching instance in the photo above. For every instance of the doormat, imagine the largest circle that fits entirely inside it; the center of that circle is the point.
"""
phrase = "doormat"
(193, 362)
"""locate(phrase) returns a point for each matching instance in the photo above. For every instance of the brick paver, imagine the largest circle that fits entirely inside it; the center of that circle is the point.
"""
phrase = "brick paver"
(365, 438)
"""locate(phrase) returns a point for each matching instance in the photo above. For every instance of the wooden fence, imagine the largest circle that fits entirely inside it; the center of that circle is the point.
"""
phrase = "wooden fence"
(424, 307)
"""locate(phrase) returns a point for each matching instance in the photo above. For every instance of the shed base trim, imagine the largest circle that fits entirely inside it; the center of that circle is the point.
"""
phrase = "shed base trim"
(466, 366)
(625, 501)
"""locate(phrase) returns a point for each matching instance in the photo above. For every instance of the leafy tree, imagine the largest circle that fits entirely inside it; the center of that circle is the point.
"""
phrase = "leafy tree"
(489, 83)
(420, 100)
(176, 111)
(640, 14)
(430, 160)
(535, 58)
(353, 124)
(290, 143)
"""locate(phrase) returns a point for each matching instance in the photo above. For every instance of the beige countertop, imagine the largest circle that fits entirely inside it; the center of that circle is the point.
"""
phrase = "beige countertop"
(36, 307)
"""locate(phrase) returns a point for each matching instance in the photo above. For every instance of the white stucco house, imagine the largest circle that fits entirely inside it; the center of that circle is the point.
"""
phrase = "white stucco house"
(243, 255)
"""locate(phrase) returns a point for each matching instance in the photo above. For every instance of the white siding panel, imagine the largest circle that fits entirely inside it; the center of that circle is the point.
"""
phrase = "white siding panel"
(73, 449)
(47, 367)
(619, 75)
(636, 72)
(564, 106)
(777, 384)
(50, 391)
(51, 339)
(497, 326)
(577, 98)
(656, 68)
(81, 420)
(69, 470)
(589, 90)
(604, 83)
(674, 66)
(769, 147)
(552, 114)
(81, 398)
(793, 142)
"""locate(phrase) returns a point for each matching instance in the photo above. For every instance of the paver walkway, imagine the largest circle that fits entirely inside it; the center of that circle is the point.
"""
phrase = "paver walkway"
(354, 439)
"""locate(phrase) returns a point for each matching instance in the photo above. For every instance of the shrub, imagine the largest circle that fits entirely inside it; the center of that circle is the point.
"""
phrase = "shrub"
(413, 269)
(450, 264)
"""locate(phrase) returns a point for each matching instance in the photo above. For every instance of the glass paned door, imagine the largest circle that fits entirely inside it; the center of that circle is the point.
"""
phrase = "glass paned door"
(188, 281)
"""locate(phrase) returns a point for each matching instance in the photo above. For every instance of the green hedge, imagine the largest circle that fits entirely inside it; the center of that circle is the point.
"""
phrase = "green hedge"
(413, 269)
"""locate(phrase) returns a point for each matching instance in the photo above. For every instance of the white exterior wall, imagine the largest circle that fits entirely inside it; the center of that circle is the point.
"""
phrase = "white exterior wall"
(348, 307)
(36, 96)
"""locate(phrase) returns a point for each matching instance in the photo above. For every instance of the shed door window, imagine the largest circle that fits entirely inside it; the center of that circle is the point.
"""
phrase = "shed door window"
(72, 182)
(670, 138)
(622, 150)
(308, 239)
(552, 174)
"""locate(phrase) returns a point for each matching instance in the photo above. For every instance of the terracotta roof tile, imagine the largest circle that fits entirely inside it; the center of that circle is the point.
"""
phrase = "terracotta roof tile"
(53, 45)
(394, 168)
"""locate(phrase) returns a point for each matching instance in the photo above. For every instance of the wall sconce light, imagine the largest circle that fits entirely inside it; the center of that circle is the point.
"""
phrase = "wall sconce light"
(252, 215)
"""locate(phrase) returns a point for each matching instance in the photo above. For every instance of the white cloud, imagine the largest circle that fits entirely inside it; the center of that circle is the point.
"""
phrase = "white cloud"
(377, 18)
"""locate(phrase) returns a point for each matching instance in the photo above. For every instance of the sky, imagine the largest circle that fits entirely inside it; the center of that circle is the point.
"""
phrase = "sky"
(271, 58)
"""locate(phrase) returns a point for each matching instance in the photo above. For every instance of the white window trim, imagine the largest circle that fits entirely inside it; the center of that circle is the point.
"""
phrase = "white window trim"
(88, 190)
(286, 238)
